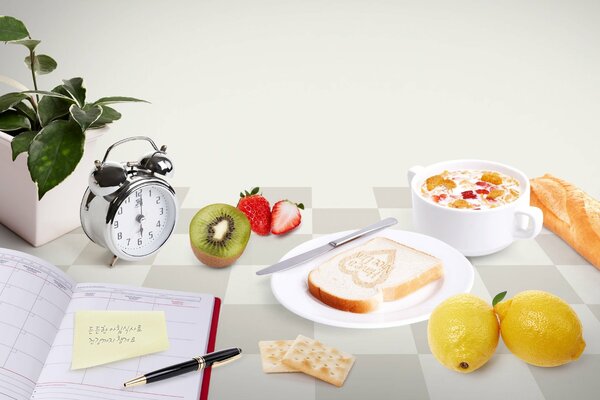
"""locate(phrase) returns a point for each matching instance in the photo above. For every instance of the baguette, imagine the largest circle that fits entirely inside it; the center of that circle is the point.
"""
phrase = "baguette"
(360, 279)
(570, 213)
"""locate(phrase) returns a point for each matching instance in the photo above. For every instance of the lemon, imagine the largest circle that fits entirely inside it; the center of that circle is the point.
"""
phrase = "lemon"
(540, 328)
(463, 332)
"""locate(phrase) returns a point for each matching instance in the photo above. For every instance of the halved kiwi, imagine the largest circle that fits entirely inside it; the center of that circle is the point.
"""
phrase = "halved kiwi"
(219, 234)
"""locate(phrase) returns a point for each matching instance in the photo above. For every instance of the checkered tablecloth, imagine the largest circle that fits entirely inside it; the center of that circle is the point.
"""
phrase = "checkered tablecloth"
(391, 363)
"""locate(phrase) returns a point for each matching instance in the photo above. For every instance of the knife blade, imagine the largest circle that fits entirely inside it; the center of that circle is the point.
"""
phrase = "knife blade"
(309, 255)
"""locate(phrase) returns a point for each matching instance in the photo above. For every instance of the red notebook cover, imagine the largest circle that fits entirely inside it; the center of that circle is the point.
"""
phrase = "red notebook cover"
(212, 338)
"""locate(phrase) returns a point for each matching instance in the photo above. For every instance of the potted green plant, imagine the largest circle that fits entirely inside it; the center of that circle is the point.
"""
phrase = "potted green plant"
(44, 136)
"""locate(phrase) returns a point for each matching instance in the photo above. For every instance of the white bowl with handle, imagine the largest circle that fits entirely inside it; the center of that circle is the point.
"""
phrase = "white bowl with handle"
(474, 232)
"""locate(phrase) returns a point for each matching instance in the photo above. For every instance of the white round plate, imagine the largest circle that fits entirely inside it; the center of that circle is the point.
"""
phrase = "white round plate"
(291, 289)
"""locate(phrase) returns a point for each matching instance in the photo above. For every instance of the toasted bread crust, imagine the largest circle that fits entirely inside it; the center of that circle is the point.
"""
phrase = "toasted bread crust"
(356, 306)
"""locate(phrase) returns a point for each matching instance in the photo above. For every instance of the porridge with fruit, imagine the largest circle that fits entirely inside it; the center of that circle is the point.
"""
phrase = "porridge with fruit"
(471, 189)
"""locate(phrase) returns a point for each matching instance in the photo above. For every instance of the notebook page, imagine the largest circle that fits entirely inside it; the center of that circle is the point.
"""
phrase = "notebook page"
(34, 296)
(188, 318)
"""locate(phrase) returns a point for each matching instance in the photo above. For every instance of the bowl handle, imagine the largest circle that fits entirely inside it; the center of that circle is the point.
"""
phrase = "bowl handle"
(412, 171)
(535, 221)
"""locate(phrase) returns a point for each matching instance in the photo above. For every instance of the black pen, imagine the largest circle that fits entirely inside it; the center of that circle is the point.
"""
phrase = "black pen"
(195, 364)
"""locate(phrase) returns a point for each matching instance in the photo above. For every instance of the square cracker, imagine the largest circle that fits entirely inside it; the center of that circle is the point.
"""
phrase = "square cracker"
(314, 358)
(271, 353)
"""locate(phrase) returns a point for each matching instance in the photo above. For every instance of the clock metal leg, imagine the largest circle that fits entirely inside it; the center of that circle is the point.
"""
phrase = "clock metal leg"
(113, 261)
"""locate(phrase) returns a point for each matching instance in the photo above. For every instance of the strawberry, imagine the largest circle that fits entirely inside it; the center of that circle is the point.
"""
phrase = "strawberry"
(257, 209)
(286, 216)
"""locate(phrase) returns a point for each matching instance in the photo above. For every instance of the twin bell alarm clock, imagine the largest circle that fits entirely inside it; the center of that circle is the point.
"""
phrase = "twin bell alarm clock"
(129, 208)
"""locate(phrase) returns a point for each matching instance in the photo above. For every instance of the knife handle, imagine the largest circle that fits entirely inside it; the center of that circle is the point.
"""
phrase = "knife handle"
(384, 223)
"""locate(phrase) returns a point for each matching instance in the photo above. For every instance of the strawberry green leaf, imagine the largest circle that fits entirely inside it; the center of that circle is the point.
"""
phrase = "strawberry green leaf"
(241, 194)
(255, 190)
(498, 298)
(300, 206)
(20, 143)
(54, 153)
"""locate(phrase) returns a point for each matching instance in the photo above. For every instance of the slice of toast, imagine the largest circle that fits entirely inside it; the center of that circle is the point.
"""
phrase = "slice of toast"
(360, 279)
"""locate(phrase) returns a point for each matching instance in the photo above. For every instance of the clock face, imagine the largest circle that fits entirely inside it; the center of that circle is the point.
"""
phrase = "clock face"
(144, 220)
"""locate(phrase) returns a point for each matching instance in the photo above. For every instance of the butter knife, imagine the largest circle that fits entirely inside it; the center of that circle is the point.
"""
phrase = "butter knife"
(334, 244)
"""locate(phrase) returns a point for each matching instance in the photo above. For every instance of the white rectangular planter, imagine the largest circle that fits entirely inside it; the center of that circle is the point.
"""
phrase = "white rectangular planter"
(57, 213)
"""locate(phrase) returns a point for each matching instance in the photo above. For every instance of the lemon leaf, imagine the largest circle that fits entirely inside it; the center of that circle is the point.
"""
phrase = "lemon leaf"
(498, 298)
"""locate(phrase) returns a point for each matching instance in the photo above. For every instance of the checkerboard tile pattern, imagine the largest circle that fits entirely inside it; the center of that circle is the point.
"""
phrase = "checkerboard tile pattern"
(394, 362)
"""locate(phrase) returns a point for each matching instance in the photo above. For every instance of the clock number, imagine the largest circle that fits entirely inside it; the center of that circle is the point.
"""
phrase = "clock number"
(157, 199)
(138, 193)
(127, 200)
(116, 225)
(162, 211)
(119, 236)
(139, 241)
(158, 224)
(151, 235)
(128, 241)
(120, 212)
(149, 192)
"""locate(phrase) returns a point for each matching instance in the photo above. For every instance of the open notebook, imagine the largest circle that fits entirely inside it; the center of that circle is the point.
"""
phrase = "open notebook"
(37, 302)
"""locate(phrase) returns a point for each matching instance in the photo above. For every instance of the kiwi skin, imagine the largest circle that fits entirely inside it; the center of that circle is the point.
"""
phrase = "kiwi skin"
(218, 254)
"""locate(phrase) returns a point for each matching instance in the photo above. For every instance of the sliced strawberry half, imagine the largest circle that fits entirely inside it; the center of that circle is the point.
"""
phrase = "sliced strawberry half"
(285, 216)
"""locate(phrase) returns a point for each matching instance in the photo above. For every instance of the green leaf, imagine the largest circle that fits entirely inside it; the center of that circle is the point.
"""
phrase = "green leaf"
(51, 108)
(10, 99)
(76, 90)
(108, 115)
(118, 99)
(85, 116)
(12, 120)
(300, 206)
(12, 29)
(27, 111)
(54, 153)
(51, 94)
(31, 44)
(42, 64)
(498, 298)
(20, 143)
(255, 190)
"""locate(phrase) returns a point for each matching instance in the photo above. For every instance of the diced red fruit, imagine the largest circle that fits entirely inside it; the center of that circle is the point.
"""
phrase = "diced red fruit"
(285, 217)
(482, 191)
(258, 211)
(468, 194)
(480, 183)
(437, 198)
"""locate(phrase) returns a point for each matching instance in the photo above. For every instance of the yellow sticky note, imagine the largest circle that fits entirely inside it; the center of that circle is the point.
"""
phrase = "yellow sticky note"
(101, 337)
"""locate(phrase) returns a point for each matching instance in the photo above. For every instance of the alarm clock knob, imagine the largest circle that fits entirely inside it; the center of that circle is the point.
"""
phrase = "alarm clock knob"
(107, 178)
(158, 163)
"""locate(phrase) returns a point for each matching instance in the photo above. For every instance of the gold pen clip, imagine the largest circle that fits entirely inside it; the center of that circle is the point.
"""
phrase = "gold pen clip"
(221, 363)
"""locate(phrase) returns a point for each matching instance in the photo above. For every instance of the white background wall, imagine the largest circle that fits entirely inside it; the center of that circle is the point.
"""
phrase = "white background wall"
(343, 94)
